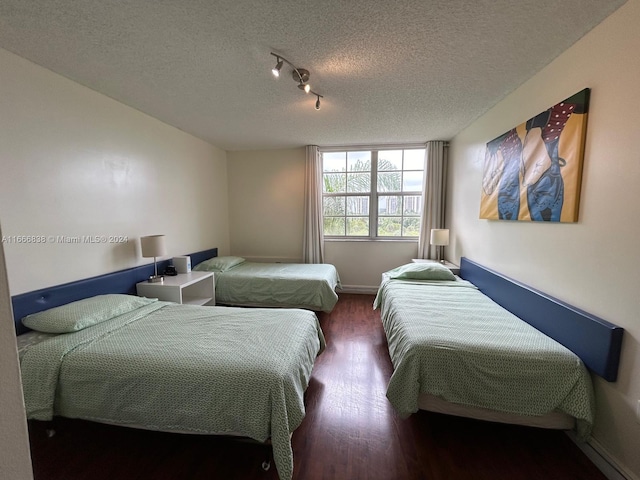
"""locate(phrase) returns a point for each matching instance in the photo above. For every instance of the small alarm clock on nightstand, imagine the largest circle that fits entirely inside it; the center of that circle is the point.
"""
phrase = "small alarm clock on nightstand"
(182, 263)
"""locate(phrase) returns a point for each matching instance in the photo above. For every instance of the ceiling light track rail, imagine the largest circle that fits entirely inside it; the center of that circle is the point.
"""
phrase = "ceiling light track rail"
(299, 75)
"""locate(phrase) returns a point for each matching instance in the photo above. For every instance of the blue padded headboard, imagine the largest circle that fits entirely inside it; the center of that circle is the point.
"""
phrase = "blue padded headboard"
(596, 341)
(123, 281)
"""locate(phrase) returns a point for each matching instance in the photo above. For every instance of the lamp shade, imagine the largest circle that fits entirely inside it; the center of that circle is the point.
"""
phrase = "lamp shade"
(153, 246)
(440, 236)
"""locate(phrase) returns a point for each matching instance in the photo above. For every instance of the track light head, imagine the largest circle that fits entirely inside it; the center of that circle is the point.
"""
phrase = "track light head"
(304, 86)
(276, 70)
(318, 102)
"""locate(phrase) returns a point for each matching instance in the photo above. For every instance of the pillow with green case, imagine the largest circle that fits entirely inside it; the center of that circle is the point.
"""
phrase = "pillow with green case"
(81, 314)
(422, 271)
(218, 264)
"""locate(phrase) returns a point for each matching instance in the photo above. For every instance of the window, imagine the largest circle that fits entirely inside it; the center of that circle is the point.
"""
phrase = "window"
(373, 193)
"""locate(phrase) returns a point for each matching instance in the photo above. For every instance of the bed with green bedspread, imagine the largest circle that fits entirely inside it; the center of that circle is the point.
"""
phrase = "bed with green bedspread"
(294, 285)
(449, 340)
(190, 369)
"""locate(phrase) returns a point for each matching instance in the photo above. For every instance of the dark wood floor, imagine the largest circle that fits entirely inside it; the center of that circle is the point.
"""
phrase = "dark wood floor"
(350, 432)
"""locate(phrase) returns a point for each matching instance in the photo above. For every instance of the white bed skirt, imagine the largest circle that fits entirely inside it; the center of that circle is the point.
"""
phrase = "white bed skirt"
(554, 420)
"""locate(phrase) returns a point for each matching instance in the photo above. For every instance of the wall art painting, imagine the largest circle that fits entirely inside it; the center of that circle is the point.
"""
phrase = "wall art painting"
(533, 172)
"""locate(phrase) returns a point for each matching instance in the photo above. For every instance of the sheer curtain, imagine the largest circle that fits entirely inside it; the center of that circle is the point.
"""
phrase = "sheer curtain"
(313, 236)
(435, 179)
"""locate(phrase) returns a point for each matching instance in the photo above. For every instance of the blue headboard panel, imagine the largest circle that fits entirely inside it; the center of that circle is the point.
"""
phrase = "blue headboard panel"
(596, 341)
(123, 281)
(198, 257)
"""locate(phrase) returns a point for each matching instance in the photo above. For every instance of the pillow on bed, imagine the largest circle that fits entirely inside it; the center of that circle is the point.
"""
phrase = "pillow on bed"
(75, 316)
(218, 264)
(422, 271)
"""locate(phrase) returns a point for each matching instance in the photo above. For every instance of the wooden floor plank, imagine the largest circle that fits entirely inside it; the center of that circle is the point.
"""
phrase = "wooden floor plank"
(350, 432)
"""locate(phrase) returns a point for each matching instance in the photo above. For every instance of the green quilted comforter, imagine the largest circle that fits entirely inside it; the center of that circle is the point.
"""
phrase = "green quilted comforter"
(298, 285)
(210, 370)
(448, 339)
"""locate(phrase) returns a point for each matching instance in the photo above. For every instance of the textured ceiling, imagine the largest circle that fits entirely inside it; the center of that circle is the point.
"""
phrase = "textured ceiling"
(390, 71)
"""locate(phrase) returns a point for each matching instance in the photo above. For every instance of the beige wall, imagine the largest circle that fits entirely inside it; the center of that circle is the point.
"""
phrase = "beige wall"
(15, 461)
(76, 163)
(594, 263)
(266, 211)
(266, 192)
(361, 264)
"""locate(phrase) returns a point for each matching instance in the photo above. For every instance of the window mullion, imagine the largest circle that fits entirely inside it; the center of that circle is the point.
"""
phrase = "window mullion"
(402, 174)
(373, 196)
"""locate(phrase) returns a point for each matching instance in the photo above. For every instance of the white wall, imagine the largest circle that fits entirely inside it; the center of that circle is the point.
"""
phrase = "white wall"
(361, 264)
(266, 211)
(75, 163)
(15, 460)
(594, 263)
(266, 193)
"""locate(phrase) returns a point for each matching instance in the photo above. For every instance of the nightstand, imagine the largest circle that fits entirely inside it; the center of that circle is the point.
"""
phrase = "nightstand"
(194, 288)
(455, 269)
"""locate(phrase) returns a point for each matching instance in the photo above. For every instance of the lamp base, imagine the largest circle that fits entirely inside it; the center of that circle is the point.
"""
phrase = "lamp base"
(156, 279)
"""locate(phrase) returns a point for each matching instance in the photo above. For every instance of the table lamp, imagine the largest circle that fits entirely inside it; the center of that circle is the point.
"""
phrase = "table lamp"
(440, 238)
(153, 246)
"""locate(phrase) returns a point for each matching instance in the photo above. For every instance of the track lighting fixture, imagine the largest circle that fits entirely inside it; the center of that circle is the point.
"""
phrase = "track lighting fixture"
(300, 75)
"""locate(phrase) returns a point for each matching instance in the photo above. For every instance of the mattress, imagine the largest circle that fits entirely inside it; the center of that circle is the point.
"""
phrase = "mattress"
(448, 340)
(209, 370)
(293, 285)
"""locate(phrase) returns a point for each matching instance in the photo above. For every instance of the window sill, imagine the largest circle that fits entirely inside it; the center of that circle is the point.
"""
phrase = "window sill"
(374, 240)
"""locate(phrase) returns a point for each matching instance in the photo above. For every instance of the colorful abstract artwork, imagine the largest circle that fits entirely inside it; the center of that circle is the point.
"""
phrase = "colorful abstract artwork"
(533, 172)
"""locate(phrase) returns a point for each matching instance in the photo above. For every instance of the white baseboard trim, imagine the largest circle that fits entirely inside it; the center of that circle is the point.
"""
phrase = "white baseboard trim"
(363, 289)
(605, 462)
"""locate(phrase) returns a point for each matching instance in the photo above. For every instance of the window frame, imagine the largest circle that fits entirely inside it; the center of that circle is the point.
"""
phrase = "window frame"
(373, 194)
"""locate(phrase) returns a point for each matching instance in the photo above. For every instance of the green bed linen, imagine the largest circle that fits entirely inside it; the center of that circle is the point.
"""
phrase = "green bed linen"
(448, 339)
(299, 285)
(210, 370)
